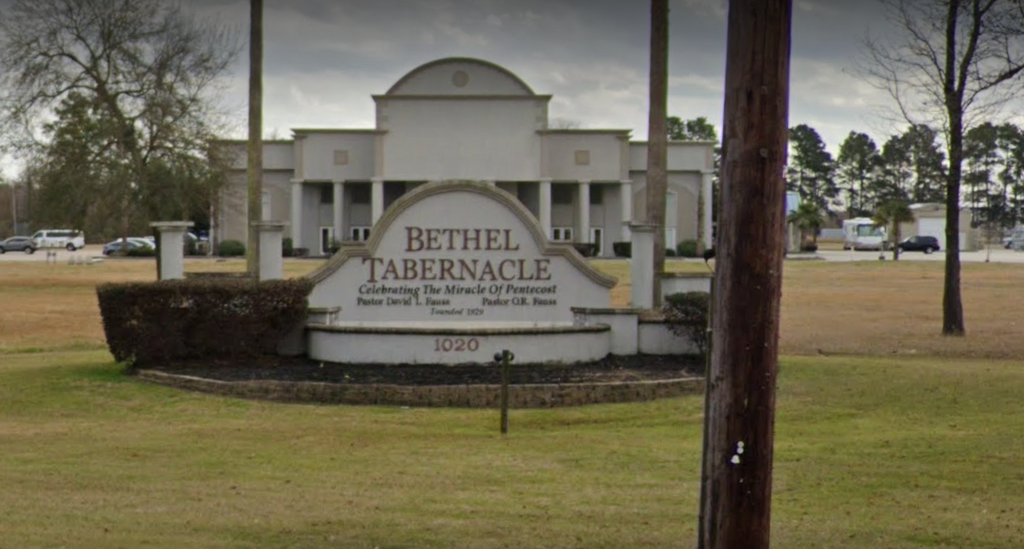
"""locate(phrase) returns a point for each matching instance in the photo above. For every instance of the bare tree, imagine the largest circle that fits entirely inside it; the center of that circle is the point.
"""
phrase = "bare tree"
(147, 69)
(563, 124)
(254, 171)
(954, 63)
(657, 179)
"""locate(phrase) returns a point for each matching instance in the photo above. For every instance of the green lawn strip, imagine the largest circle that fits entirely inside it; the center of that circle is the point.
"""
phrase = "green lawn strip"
(870, 452)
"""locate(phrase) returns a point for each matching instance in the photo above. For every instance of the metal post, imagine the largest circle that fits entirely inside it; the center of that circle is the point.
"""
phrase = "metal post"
(505, 358)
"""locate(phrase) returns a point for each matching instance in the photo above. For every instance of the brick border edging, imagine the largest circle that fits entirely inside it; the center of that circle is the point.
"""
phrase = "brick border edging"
(452, 396)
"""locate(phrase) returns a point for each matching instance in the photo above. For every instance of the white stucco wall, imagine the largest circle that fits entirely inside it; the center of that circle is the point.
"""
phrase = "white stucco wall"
(460, 139)
(603, 149)
(318, 155)
(277, 155)
(681, 156)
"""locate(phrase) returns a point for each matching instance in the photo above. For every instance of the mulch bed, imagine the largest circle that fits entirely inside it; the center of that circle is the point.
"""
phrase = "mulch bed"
(610, 369)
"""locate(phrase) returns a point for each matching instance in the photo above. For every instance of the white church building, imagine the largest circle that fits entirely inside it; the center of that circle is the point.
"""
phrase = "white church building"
(465, 119)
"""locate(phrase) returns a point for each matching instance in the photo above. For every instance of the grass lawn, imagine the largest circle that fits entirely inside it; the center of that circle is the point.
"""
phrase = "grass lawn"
(888, 436)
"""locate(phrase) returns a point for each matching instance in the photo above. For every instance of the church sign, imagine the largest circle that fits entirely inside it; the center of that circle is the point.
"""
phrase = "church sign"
(458, 252)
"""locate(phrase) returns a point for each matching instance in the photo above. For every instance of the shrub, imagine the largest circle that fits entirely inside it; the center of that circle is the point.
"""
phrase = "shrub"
(622, 249)
(687, 248)
(808, 247)
(669, 252)
(287, 248)
(176, 320)
(687, 315)
(230, 248)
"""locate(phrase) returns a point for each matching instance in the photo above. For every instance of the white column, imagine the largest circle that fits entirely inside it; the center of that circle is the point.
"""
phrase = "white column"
(626, 200)
(376, 199)
(706, 181)
(583, 213)
(271, 263)
(339, 210)
(641, 266)
(544, 207)
(296, 213)
(171, 248)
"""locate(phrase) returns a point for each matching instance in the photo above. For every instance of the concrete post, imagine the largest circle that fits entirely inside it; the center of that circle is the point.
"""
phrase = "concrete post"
(544, 207)
(641, 269)
(171, 247)
(271, 234)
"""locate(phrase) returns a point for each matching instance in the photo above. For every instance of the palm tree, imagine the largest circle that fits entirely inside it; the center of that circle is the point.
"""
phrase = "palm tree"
(657, 177)
(892, 214)
(254, 172)
(807, 218)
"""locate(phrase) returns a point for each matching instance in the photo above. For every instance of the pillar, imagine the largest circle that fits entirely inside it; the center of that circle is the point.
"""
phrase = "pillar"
(271, 264)
(297, 213)
(707, 178)
(544, 207)
(376, 199)
(339, 210)
(583, 213)
(171, 247)
(641, 266)
(626, 201)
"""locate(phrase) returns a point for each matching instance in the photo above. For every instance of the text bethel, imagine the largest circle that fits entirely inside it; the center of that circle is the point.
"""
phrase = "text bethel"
(419, 239)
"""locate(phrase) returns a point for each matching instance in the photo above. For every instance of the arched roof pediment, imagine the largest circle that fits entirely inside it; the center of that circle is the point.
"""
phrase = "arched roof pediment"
(460, 76)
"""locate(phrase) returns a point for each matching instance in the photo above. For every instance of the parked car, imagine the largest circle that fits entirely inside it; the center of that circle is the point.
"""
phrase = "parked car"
(59, 238)
(926, 244)
(18, 244)
(134, 244)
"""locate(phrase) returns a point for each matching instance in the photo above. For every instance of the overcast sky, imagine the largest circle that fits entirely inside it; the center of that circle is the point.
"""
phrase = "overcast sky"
(323, 59)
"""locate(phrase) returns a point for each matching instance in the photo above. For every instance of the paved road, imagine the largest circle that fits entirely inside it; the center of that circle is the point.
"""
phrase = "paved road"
(996, 255)
(62, 254)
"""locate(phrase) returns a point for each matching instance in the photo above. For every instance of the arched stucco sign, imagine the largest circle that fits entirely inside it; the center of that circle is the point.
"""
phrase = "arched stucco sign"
(458, 251)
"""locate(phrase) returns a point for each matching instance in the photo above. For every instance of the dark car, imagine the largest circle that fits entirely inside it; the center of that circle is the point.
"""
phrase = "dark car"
(18, 244)
(926, 244)
(134, 245)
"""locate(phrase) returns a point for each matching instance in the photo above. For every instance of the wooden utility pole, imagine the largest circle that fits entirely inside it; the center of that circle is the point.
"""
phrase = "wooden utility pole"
(656, 189)
(738, 447)
(254, 172)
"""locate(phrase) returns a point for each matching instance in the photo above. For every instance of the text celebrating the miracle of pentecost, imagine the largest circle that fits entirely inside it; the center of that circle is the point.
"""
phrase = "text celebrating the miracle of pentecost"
(457, 272)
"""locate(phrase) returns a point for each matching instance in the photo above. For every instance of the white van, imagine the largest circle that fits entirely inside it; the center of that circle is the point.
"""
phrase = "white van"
(59, 238)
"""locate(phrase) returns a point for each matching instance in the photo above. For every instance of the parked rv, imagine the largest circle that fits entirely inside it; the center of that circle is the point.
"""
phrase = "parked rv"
(861, 233)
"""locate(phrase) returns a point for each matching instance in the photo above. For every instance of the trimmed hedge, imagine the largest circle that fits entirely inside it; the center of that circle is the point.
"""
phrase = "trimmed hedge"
(687, 248)
(163, 322)
(230, 248)
(687, 315)
(622, 248)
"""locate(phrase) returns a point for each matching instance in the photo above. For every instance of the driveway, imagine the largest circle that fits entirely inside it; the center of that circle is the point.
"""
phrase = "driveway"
(62, 255)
